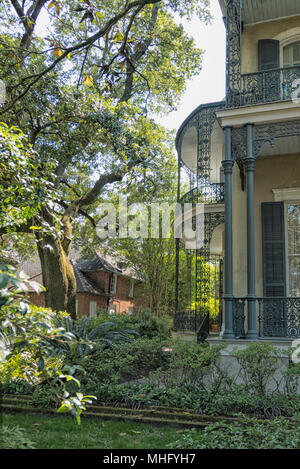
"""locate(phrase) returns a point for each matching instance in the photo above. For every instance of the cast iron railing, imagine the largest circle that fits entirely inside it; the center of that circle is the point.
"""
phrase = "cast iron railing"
(239, 317)
(269, 86)
(277, 317)
(187, 321)
(206, 193)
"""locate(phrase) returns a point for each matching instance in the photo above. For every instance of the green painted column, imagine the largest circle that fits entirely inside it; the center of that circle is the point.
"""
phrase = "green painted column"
(251, 296)
(228, 287)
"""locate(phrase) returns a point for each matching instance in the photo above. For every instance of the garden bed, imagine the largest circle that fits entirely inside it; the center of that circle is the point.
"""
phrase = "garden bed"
(160, 415)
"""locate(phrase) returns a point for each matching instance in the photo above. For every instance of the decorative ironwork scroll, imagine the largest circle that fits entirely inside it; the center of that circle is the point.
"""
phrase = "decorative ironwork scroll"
(269, 86)
(233, 52)
(279, 317)
(239, 317)
(262, 134)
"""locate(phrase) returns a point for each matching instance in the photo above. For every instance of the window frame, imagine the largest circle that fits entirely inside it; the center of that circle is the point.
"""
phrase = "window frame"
(286, 205)
(113, 284)
(290, 45)
(92, 314)
(285, 39)
(131, 288)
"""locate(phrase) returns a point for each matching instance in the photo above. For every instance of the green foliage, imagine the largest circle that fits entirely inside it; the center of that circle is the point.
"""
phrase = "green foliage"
(75, 404)
(11, 385)
(31, 339)
(25, 184)
(145, 323)
(122, 362)
(45, 395)
(14, 437)
(87, 332)
(259, 362)
(34, 334)
(192, 366)
(237, 401)
(251, 434)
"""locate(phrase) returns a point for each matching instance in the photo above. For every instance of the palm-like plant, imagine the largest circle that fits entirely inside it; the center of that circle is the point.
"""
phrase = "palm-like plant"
(105, 332)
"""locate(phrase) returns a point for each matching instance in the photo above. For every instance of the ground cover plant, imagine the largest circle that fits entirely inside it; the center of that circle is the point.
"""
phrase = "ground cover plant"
(42, 432)
(132, 361)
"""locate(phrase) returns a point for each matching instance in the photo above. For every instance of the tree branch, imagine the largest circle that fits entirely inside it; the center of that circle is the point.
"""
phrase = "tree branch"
(88, 42)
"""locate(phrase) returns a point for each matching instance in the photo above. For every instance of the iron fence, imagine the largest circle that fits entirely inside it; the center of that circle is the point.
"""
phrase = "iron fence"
(187, 321)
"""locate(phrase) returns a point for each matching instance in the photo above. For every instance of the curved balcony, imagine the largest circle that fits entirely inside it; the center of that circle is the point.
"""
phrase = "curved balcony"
(200, 141)
(200, 146)
(199, 277)
(207, 193)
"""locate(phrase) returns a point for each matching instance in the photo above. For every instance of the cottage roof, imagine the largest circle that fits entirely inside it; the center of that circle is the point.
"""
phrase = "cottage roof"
(84, 284)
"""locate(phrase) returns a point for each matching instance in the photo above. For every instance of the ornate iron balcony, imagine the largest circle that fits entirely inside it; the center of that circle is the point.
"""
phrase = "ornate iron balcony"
(268, 86)
(206, 193)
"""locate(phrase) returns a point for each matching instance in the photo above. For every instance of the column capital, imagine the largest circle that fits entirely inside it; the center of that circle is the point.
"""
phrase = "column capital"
(249, 163)
(227, 165)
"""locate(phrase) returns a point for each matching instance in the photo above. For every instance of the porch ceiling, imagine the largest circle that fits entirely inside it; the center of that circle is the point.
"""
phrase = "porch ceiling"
(283, 146)
(257, 11)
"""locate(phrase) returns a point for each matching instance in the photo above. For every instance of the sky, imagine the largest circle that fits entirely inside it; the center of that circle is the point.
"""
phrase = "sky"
(209, 86)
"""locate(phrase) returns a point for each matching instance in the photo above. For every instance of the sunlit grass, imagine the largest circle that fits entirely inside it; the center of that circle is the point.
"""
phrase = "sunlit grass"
(62, 432)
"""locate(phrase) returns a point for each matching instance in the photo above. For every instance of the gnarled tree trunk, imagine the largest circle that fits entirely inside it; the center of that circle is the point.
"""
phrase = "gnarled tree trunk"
(57, 271)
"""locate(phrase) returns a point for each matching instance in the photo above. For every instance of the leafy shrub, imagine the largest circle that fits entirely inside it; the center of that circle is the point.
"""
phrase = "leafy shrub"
(144, 323)
(121, 362)
(252, 434)
(259, 363)
(44, 395)
(37, 335)
(16, 386)
(291, 377)
(238, 401)
(88, 332)
(15, 438)
(191, 366)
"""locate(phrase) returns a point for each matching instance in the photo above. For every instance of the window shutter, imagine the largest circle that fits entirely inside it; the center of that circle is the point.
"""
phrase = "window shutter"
(273, 239)
(268, 54)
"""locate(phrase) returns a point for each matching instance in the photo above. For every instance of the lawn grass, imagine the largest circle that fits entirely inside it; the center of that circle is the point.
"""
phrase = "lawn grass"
(61, 432)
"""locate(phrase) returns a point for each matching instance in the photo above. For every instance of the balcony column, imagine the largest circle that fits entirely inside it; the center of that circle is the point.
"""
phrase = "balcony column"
(228, 290)
(177, 240)
(251, 296)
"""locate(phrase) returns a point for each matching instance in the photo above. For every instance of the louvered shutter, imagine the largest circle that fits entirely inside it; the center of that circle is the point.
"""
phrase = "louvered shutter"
(268, 54)
(273, 238)
(269, 81)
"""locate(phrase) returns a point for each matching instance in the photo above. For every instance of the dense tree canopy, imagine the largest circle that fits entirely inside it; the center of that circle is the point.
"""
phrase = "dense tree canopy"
(84, 81)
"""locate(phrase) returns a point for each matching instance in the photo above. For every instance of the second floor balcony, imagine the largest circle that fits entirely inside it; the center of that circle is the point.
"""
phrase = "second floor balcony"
(262, 51)
(282, 84)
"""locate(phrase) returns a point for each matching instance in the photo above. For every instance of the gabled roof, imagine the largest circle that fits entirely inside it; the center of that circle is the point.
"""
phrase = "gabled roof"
(81, 266)
(96, 264)
(84, 284)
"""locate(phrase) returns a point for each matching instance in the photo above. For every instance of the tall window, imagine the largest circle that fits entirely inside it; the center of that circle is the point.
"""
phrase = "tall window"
(131, 288)
(293, 249)
(113, 283)
(291, 54)
(93, 309)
